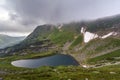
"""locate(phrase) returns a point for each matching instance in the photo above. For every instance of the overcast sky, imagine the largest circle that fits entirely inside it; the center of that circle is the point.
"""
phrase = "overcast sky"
(20, 17)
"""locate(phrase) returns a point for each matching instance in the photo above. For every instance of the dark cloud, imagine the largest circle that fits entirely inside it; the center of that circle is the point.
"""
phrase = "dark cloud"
(62, 10)
(30, 13)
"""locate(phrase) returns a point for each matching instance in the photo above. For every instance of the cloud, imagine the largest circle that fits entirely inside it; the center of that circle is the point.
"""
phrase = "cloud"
(25, 15)
(55, 11)
(9, 26)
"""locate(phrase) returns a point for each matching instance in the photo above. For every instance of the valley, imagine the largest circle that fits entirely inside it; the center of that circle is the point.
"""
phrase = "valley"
(6, 40)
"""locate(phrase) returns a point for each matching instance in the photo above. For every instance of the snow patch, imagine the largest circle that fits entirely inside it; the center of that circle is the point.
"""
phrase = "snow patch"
(115, 33)
(60, 26)
(89, 36)
(109, 34)
(85, 66)
(82, 30)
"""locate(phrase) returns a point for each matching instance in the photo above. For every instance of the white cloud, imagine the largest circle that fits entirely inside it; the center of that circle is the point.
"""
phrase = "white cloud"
(15, 34)
(4, 14)
(2, 2)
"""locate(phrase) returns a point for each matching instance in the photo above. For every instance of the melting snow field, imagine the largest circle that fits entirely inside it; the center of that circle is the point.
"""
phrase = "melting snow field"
(89, 36)
(109, 34)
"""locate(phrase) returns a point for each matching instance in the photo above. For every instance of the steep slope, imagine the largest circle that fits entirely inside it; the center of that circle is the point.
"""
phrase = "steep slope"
(47, 35)
(112, 56)
(40, 33)
(77, 41)
(37, 41)
(6, 41)
(61, 37)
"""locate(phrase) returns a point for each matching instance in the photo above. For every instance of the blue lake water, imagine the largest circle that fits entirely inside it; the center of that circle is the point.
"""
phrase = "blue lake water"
(55, 60)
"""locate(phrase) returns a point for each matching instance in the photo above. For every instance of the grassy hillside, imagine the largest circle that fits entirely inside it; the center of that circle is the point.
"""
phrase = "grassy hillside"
(61, 37)
(100, 45)
(112, 56)
(40, 33)
(77, 41)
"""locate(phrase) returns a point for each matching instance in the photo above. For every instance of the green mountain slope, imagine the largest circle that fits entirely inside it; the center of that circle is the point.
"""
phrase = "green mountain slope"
(77, 41)
(36, 38)
(40, 33)
(61, 37)
(100, 45)
(112, 56)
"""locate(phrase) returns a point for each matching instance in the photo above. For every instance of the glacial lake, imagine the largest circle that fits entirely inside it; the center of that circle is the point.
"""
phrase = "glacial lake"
(55, 60)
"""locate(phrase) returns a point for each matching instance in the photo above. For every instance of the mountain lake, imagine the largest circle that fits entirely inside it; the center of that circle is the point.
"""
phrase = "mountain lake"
(55, 60)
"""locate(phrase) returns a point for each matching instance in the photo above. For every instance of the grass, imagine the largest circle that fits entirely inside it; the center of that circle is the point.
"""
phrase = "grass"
(110, 57)
(77, 41)
(61, 73)
(97, 45)
(113, 68)
(53, 73)
(61, 37)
